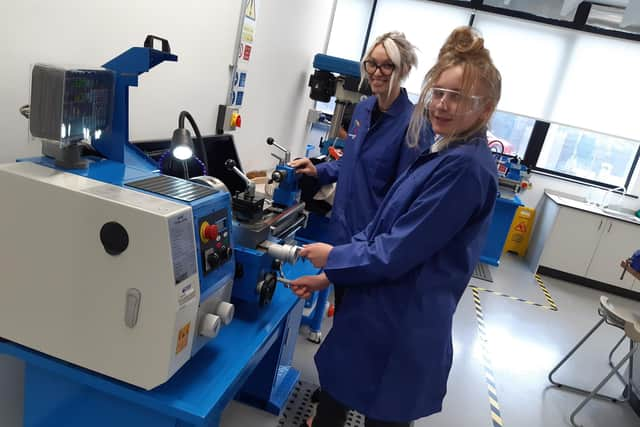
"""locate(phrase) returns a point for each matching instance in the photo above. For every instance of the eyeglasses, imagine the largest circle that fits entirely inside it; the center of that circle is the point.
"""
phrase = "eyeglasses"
(457, 101)
(371, 67)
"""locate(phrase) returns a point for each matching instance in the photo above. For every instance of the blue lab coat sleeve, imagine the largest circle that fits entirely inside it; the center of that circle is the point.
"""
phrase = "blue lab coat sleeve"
(441, 209)
(328, 172)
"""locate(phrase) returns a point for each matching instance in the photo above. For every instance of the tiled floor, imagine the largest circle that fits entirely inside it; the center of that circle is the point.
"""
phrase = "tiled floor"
(523, 343)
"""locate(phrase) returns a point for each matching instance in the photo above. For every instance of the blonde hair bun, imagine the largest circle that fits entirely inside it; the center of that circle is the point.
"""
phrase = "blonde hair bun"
(463, 40)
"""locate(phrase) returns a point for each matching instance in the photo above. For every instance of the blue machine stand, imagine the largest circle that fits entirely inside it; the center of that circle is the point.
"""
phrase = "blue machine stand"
(250, 360)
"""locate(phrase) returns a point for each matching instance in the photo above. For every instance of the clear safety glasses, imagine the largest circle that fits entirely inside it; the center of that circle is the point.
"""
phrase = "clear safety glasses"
(454, 100)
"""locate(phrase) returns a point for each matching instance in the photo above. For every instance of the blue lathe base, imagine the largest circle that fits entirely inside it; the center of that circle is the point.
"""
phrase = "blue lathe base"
(249, 360)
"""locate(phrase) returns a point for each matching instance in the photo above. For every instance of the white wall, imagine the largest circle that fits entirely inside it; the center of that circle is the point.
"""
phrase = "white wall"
(202, 33)
(288, 35)
(70, 32)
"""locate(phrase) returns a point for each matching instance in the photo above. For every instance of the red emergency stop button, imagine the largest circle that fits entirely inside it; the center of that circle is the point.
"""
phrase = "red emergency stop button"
(236, 120)
(211, 232)
(208, 232)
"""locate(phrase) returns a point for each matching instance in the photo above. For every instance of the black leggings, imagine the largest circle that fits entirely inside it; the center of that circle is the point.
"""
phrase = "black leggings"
(331, 413)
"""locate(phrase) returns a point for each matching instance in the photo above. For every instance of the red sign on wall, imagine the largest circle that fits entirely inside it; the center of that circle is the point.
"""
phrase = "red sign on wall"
(247, 52)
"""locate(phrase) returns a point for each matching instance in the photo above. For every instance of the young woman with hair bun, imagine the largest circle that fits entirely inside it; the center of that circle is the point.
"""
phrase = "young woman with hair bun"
(389, 353)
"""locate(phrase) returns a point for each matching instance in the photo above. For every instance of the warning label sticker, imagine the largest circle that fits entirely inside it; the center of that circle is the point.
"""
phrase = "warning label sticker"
(183, 338)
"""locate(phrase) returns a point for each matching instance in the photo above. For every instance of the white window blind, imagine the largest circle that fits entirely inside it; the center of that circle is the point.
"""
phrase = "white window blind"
(549, 73)
(349, 28)
(425, 24)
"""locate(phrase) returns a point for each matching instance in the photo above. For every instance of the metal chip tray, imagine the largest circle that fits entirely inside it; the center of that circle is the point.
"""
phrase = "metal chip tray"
(172, 187)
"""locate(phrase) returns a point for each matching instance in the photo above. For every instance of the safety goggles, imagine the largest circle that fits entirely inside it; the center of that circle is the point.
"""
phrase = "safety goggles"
(456, 101)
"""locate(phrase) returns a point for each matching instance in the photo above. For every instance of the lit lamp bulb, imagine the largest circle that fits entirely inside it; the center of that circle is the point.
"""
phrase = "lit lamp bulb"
(182, 153)
(181, 144)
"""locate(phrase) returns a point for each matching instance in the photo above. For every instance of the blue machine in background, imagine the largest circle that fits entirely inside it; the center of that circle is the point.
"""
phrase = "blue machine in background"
(339, 78)
(513, 177)
(227, 249)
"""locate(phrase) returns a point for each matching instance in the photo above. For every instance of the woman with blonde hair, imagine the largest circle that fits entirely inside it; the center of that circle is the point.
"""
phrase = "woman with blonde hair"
(389, 353)
(374, 153)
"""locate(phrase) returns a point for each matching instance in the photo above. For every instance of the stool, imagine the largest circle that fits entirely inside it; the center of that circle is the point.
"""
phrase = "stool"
(630, 324)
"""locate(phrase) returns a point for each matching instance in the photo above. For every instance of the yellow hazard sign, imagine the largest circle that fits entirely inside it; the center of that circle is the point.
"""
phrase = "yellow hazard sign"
(520, 231)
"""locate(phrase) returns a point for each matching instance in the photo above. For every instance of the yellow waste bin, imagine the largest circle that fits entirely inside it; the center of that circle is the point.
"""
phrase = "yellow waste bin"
(520, 231)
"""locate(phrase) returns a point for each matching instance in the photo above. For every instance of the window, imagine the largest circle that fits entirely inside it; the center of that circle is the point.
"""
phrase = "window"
(588, 155)
(426, 25)
(512, 131)
(581, 72)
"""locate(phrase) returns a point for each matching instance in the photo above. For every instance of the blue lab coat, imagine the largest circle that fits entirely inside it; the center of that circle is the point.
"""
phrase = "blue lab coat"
(389, 352)
(374, 156)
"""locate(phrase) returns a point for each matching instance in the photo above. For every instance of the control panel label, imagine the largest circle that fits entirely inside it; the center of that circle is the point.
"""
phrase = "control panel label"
(187, 293)
(183, 246)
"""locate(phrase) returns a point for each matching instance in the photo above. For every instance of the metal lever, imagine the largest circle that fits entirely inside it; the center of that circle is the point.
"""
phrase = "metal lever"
(230, 164)
(287, 153)
(286, 282)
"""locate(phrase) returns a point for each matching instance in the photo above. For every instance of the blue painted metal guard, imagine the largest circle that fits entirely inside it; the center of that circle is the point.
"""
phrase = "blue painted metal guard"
(128, 66)
(336, 65)
(287, 192)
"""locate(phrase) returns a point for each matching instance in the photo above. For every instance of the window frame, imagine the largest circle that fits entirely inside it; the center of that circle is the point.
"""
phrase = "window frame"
(579, 20)
(534, 148)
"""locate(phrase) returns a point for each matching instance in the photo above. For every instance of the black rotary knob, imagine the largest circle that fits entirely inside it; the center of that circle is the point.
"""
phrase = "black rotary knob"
(213, 259)
(229, 164)
(224, 252)
(279, 176)
(267, 289)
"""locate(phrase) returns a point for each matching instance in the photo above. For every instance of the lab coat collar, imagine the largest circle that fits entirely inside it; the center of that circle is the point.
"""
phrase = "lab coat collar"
(399, 106)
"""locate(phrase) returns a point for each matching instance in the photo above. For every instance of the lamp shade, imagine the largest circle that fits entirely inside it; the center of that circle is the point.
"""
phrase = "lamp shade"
(181, 144)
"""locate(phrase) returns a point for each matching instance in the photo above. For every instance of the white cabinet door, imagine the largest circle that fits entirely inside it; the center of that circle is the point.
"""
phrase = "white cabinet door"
(572, 241)
(619, 240)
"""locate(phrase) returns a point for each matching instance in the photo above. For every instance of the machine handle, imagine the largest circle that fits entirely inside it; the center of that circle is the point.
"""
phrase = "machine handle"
(600, 226)
(610, 224)
(148, 43)
(230, 164)
(287, 153)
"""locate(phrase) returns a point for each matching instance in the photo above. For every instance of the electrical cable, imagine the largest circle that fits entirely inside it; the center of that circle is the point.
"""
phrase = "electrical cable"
(203, 153)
